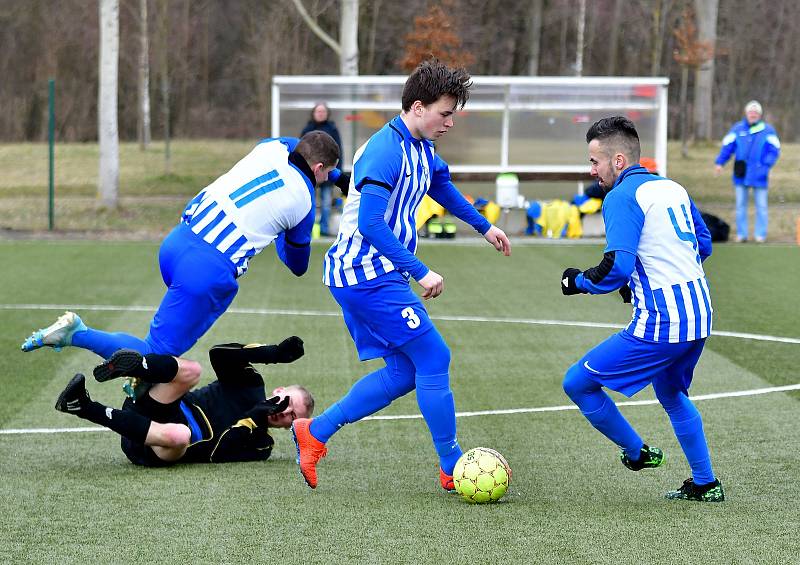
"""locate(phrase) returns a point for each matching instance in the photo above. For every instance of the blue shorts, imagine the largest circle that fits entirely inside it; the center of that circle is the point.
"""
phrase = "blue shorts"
(627, 364)
(382, 314)
(201, 284)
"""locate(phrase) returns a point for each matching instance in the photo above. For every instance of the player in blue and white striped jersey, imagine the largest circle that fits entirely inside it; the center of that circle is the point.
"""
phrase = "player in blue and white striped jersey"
(267, 196)
(656, 244)
(369, 266)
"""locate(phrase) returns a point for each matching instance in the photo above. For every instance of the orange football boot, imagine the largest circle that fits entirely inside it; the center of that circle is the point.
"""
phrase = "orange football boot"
(309, 450)
(446, 481)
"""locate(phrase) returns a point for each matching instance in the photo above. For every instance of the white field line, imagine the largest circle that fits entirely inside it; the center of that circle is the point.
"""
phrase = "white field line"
(477, 319)
(713, 396)
(323, 313)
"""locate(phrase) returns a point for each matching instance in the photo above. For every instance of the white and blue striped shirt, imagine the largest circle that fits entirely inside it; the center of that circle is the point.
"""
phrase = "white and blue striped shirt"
(247, 208)
(393, 159)
(654, 219)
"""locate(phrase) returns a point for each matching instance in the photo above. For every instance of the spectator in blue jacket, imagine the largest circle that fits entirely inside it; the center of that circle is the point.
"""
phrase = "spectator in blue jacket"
(756, 148)
(320, 115)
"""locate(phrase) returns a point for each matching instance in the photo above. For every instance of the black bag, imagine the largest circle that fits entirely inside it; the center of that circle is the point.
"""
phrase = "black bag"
(719, 229)
(739, 169)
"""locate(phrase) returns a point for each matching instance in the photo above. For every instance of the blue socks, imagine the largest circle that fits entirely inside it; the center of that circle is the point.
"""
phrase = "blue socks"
(431, 358)
(105, 343)
(601, 411)
(422, 363)
(435, 400)
(688, 427)
(369, 394)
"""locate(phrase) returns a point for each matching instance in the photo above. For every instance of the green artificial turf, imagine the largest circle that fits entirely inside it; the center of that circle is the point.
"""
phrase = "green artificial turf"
(74, 498)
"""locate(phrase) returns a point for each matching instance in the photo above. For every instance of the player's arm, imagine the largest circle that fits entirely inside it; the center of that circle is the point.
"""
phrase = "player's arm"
(293, 246)
(372, 225)
(341, 179)
(230, 361)
(248, 439)
(610, 274)
(244, 441)
(701, 232)
(624, 220)
(445, 193)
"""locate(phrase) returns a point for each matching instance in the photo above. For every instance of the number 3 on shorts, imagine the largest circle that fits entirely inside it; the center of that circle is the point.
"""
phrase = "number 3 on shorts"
(412, 321)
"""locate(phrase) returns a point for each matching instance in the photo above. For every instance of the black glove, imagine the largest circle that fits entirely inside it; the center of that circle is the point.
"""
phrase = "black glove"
(568, 282)
(343, 182)
(625, 293)
(269, 407)
(289, 350)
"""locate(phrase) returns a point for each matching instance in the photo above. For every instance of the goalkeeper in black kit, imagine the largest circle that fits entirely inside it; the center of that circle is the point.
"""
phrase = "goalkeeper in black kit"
(164, 421)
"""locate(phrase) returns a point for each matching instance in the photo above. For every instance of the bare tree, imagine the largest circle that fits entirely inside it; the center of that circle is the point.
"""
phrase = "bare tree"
(659, 29)
(691, 53)
(535, 37)
(707, 11)
(613, 38)
(107, 127)
(163, 48)
(143, 129)
(579, 39)
(347, 46)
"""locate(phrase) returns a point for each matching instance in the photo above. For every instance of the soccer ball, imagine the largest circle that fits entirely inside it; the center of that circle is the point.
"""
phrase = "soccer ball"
(482, 475)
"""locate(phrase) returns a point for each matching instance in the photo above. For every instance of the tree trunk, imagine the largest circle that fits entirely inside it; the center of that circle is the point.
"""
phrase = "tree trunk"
(348, 38)
(684, 111)
(163, 41)
(373, 31)
(613, 39)
(562, 45)
(107, 127)
(143, 128)
(536, 37)
(579, 38)
(707, 11)
(659, 28)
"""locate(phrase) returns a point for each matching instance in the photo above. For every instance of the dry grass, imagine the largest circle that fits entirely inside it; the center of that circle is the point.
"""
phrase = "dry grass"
(151, 198)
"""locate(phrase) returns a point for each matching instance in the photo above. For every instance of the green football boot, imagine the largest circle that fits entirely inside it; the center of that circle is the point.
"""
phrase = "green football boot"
(712, 492)
(649, 458)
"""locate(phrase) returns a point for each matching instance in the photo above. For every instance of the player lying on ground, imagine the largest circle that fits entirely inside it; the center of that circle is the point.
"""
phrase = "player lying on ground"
(226, 420)
(267, 196)
(656, 243)
(369, 266)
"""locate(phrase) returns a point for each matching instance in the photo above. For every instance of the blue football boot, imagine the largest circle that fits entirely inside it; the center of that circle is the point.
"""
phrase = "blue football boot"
(57, 335)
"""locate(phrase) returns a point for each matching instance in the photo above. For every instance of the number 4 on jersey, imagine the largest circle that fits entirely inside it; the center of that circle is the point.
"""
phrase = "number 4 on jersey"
(684, 235)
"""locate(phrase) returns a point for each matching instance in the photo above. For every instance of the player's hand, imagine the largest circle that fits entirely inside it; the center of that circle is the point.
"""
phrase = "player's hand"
(499, 239)
(343, 182)
(568, 286)
(433, 283)
(266, 408)
(289, 350)
(625, 293)
(717, 170)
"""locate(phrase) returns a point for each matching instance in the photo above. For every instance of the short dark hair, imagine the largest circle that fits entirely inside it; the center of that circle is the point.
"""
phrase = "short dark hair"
(431, 80)
(618, 133)
(318, 147)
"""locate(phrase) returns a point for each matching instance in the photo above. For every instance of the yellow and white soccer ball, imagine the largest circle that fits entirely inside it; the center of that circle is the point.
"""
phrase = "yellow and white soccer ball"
(482, 475)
